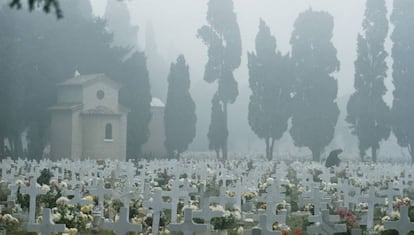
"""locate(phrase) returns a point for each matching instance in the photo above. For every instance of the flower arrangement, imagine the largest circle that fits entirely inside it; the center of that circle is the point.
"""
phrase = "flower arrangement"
(248, 196)
(348, 218)
(228, 220)
(8, 223)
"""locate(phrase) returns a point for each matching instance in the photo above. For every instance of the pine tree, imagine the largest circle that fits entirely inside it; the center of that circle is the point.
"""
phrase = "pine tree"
(315, 111)
(180, 118)
(403, 73)
(135, 94)
(217, 133)
(157, 66)
(118, 21)
(368, 114)
(222, 37)
(269, 79)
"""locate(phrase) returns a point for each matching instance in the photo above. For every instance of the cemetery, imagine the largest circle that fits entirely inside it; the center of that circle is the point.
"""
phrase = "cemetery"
(196, 195)
(206, 117)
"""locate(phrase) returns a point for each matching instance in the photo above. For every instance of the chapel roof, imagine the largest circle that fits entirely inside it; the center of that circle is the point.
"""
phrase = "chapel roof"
(82, 80)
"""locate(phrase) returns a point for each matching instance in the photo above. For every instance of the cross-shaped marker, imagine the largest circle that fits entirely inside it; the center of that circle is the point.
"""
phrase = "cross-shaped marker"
(32, 191)
(47, 226)
(188, 227)
(123, 226)
(403, 225)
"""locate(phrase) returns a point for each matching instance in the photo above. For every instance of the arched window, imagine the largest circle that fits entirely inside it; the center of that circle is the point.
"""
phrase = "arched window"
(108, 131)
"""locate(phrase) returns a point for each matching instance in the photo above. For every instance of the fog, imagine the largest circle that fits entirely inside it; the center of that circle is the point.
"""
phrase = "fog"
(176, 22)
(168, 28)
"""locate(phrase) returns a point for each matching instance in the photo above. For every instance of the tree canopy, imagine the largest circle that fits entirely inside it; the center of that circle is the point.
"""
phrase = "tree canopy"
(368, 114)
(179, 118)
(222, 37)
(270, 81)
(402, 18)
(314, 109)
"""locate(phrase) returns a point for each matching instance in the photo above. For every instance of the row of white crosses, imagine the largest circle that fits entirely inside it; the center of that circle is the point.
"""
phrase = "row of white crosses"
(100, 190)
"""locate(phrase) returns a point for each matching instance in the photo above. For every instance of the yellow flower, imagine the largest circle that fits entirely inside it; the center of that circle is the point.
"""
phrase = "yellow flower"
(71, 231)
(89, 198)
(86, 209)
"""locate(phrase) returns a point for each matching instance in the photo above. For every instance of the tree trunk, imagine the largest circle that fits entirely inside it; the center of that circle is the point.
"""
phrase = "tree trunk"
(411, 151)
(2, 153)
(316, 154)
(218, 153)
(271, 149)
(267, 147)
(226, 129)
(17, 146)
(374, 154)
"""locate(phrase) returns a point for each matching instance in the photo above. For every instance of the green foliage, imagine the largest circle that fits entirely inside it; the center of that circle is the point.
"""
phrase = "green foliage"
(403, 73)
(222, 37)
(42, 57)
(135, 94)
(271, 82)
(118, 21)
(217, 132)
(180, 118)
(45, 176)
(314, 109)
(368, 114)
(47, 5)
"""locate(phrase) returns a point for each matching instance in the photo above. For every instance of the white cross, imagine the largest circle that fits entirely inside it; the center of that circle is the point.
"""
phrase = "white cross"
(262, 228)
(326, 225)
(188, 227)
(403, 225)
(372, 201)
(123, 226)
(32, 191)
(100, 191)
(47, 226)
(206, 213)
(175, 194)
(157, 205)
(389, 193)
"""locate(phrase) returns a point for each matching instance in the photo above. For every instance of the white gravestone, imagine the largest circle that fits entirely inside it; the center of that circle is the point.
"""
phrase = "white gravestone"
(188, 226)
(122, 226)
(47, 226)
(403, 225)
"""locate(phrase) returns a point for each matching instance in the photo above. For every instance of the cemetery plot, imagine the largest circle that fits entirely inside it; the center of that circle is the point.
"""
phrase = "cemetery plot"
(204, 197)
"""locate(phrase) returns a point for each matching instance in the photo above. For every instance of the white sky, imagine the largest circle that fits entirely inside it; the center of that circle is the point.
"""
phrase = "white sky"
(176, 22)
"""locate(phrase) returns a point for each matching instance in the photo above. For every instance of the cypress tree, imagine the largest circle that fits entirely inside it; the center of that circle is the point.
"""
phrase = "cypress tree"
(269, 81)
(217, 133)
(180, 118)
(222, 37)
(135, 94)
(403, 73)
(314, 109)
(368, 114)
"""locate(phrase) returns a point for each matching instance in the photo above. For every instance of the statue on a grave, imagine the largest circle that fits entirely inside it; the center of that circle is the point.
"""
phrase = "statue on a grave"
(333, 159)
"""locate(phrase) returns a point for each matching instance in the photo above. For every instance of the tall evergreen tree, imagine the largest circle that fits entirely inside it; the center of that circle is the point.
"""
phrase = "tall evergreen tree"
(135, 95)
(270, 82)
(118, 22)
(157, 66)
(180, 118)
(368, 114)
(217, 133)
(222, 37)
(403, 73)
(315, 111)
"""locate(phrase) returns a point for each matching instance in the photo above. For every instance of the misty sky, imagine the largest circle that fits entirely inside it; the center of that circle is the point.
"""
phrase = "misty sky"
(176, 22)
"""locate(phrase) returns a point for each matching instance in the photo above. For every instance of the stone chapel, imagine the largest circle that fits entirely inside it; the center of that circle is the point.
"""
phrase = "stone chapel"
(87, 121)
